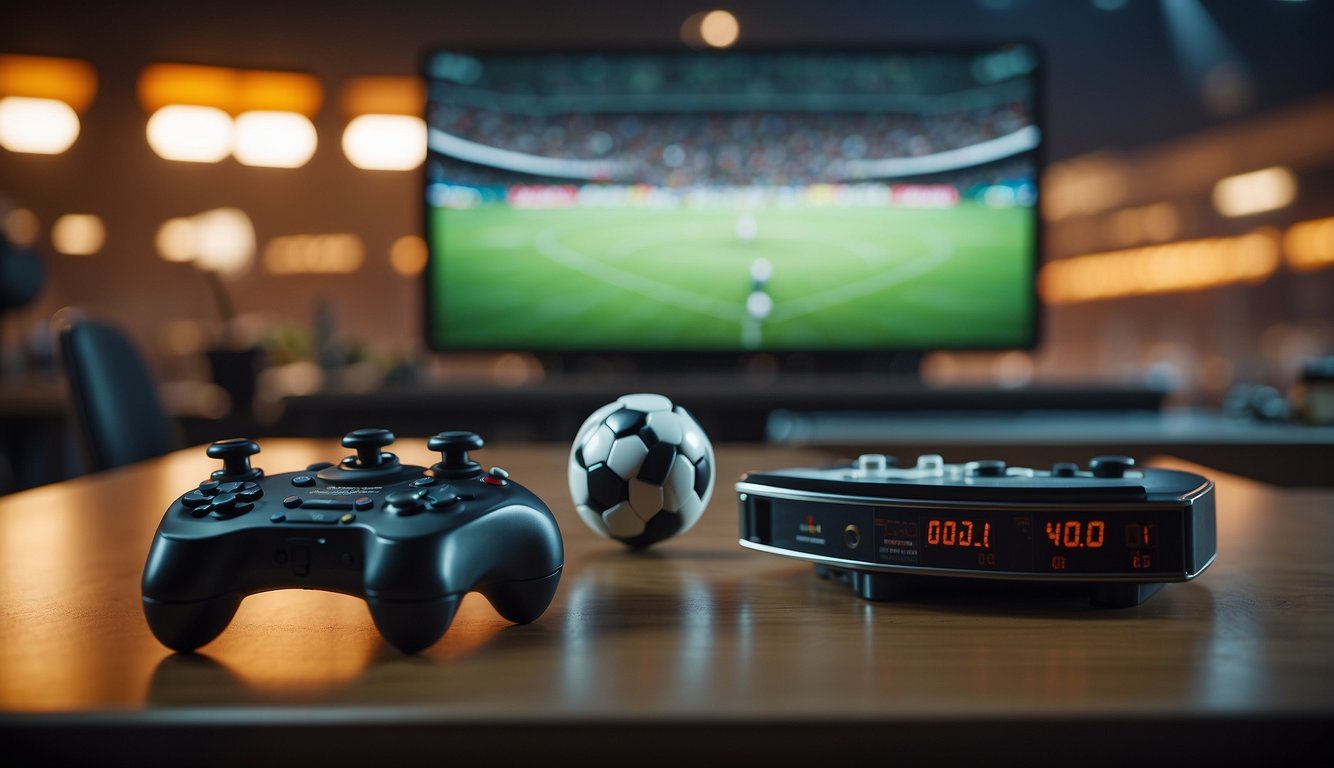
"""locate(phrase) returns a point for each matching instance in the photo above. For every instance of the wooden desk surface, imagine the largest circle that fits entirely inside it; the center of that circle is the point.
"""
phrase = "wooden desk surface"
(696, 644)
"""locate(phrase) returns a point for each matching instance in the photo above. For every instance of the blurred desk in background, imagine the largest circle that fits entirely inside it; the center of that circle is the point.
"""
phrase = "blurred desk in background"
(730, 407)
(1278, 453)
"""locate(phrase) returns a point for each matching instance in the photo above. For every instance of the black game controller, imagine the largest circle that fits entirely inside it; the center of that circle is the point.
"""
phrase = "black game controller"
(408, 540)
(1120, 530)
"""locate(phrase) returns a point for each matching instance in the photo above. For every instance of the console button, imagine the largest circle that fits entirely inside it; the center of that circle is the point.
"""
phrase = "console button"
(422, 482)
(987, 468)
(347, 517)
(292, 502)
(303, 481)
(209, 487)
(1111, 466)
(493, 480)
(250, 492)
(1064, 469)
(277, 517)
(229, 487)
(202, 511)
(364, 503)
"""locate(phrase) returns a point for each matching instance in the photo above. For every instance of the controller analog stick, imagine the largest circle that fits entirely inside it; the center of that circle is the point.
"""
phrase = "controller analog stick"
(235, 454)
(453, 448)
(367, 443)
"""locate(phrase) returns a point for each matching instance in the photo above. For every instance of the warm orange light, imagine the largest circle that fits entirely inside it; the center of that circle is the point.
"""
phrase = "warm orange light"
(231, 90)
(408, 255)
(78, 234)
(1245, 194)
(333, 254)
(47, 77)
(382, 96)
(1309, 245)
(1189, 265)
(719, 29)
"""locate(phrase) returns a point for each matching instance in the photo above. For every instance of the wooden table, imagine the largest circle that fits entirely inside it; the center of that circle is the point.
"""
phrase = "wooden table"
(695, 649)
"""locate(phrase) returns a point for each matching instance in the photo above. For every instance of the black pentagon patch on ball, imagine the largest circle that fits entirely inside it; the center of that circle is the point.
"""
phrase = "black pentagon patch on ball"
(657, 463)
(625, 421)
(606, 489)
(664, 525)
(702, 476)
(649, 437)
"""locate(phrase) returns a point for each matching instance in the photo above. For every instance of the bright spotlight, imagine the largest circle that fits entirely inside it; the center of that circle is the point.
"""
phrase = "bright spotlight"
(190, 133)
(274, 139)
(385, 142)
(39, 126)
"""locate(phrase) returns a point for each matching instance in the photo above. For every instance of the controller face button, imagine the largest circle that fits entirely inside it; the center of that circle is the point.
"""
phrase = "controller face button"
(231, 510)
(277, 517)
(194, 499)
(364, 503)
(224, 500)
(202, 511)
(229, 488)
(292, 502)
(347, 517)
(407, 502)
(250, 494)
(422, 482)
(303, 481)
(209, 486)
(445, 502)
(493, 480)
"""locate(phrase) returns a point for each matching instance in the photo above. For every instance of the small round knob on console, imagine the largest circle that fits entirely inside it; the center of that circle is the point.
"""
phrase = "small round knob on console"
(235, 454)
(987, 468)
(453, 448)
(1064, 469)
(367, 443)
(1110, 466)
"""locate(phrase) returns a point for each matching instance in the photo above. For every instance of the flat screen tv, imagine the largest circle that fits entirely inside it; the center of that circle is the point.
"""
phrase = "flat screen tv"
(691, 204)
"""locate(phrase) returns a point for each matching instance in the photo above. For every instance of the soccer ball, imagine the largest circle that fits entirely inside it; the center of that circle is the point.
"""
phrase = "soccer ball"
(641, 470)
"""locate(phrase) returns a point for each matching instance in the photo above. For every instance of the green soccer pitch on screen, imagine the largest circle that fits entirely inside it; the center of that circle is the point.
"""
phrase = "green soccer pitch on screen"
(731, 201)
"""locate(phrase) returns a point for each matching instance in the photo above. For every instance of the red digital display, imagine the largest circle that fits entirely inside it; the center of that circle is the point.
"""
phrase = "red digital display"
(958, 533)
(1067, 542)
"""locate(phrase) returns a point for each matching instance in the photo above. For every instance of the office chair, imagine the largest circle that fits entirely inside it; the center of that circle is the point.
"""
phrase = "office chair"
(117, 416)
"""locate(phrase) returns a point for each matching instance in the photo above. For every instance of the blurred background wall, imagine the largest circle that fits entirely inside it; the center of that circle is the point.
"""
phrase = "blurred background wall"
(1149, 105)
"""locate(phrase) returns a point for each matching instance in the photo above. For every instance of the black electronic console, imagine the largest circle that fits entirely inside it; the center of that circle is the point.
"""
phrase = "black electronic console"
(1121, 531)
(411, 541)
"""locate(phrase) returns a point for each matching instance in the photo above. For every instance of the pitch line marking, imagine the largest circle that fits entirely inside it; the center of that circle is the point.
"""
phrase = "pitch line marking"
(553, 249)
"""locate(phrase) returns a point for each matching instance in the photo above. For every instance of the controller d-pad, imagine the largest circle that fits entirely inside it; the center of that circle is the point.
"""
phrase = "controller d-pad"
(194, 499)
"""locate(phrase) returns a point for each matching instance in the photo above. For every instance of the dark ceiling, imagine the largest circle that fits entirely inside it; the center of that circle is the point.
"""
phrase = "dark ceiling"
(1114, 75)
